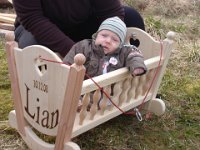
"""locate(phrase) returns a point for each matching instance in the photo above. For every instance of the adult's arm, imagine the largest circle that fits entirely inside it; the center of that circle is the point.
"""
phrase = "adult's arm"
(104, 9)
(48, 34)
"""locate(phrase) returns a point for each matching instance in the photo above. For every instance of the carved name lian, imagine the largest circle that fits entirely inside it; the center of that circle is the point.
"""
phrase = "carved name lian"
(43, 118)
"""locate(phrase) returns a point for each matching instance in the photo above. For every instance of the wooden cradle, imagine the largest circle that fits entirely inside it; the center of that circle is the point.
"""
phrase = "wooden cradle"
(46, 93)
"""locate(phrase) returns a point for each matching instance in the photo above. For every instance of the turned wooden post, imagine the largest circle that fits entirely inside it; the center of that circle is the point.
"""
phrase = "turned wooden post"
(72, 95)
(10, 45)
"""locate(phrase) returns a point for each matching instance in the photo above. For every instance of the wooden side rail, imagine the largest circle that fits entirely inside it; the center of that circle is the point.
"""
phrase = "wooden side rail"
(129, 92)
(44, 88)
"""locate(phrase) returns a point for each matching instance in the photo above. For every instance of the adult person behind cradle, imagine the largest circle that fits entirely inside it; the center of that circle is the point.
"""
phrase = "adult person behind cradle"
(58, 25)
(106, 52)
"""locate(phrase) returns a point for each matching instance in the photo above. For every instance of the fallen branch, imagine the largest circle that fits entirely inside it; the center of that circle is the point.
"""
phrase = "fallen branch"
(7, 19)
(7, 26)
(8, 15)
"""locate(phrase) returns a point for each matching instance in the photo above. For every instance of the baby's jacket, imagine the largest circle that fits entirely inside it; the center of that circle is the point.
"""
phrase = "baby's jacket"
(126, 56)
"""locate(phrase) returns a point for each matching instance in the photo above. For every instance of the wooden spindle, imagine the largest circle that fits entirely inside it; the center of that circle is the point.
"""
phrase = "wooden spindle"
(116, 92)
(138, 90)
(83, 112)
(126, 86)
(149, 78)
(104, 101)
(94, 107)
(132, 90)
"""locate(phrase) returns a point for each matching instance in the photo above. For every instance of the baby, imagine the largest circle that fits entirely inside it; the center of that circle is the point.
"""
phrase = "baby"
(106, 52)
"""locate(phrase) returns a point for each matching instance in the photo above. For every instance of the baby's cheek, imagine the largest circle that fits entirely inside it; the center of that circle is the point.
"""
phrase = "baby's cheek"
(115, 46)
(98, 41)
(117, 43)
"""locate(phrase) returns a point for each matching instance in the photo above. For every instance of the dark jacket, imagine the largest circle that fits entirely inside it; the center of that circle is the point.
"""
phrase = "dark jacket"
(52, 21)
(127, 56)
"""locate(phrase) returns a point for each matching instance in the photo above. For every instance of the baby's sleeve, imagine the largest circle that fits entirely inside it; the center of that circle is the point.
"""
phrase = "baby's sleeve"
(135, 59)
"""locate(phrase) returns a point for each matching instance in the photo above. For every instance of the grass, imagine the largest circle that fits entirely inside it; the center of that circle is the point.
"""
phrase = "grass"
(179, 127)
(5, 94)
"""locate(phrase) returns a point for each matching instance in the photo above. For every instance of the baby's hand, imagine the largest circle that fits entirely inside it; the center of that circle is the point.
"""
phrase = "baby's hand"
(138, 71)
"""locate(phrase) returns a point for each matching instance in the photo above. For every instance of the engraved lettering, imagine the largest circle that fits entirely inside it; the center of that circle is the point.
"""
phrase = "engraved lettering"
(40, 86)
(38, 112)
(42, 117)
(54, 116)
(27, 103)
(45, 120)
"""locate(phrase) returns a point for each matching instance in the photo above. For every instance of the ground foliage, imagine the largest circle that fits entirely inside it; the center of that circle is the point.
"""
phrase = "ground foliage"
(179, 127)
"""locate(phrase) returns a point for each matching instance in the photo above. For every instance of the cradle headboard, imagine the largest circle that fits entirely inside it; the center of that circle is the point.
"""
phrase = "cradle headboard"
(147, 44)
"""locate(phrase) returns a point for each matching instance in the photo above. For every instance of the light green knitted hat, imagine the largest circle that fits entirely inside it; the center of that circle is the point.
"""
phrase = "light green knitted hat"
(116, 25)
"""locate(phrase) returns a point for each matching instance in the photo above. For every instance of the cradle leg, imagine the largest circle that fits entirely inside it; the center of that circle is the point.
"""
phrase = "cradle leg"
(71, 146)
(157, 106)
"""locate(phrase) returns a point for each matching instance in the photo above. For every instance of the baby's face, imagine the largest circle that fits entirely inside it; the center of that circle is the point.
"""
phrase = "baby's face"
(108, 40)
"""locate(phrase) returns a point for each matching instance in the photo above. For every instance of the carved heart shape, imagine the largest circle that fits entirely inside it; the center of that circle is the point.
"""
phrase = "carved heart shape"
(135, 42)
(41, 67)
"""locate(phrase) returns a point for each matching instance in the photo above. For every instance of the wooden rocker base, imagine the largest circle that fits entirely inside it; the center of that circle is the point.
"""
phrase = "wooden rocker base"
(31, 138)
(157, 106)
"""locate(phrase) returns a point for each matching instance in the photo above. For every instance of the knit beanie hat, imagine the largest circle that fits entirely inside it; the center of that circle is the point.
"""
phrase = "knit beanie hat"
(116, 25)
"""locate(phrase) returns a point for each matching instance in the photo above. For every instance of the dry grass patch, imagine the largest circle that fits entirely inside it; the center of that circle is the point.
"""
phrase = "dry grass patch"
(179, 127)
